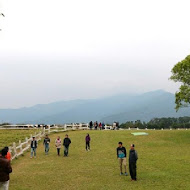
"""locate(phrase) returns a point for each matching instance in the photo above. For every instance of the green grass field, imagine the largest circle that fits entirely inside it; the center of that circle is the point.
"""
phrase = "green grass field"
(7, 137)
(164, 163)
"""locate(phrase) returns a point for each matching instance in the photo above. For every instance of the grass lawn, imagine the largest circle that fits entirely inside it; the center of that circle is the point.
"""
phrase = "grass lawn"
(7, 137)
(164, 163)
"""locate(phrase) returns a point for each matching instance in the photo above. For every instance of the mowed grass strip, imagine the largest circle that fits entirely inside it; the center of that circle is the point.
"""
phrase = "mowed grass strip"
(163, 163)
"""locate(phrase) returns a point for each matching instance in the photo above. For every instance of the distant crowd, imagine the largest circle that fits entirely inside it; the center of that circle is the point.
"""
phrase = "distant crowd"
(101, 126)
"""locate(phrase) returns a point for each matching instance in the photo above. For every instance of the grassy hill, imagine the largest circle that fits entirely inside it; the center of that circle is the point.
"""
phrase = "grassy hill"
(163, 163)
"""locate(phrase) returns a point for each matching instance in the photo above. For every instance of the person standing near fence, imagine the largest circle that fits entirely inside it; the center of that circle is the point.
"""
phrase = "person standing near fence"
(33, 146)
(91, 125)
(100, 126)
(46, 144)
(103, 126)
(133, 157)
(58, 145)
(96, 126)
(5, 170)
(8, 156)
(87, 139)
(66, 143)
(121, 155)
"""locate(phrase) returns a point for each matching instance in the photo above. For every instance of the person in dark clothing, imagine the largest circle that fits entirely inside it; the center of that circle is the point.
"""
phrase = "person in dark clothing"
(121, 155)
(117, 125)
(133, 157)
(91, 125)
(66, 143)
(87, 139)
(5, 170)
(96, 125)
(33, 146)
(103, 126)
(46, 144)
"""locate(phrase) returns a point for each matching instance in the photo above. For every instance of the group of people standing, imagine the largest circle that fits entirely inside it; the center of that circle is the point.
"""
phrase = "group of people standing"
(96, 125)
(122, 157)
(46, 143)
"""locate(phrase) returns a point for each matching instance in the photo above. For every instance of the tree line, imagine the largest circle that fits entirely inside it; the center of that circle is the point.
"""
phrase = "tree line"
(159, 123)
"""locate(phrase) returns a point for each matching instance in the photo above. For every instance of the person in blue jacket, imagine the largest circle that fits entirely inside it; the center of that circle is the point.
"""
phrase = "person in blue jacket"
(121, 155)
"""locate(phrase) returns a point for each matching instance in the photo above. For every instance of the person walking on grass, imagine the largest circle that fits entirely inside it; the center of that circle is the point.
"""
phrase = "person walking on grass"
(133, 157)
(58, 145)
(46, 144)
(121, 155)
(5, 170)
(87, 139)
(66, 143)
(33, 146)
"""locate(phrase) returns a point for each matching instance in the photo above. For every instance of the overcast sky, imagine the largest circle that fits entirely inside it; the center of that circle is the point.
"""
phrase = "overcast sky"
(54, 50)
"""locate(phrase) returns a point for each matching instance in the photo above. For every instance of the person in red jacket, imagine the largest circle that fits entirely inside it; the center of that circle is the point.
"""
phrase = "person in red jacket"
(100, 126)
(5, 170)
(8, 156)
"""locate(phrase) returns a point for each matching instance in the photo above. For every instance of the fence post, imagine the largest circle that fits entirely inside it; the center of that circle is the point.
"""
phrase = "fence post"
(73, 126)
(65, 127)
(49, 129)
(44, 130)
(20, 144)
(14, 148)
(27, 141)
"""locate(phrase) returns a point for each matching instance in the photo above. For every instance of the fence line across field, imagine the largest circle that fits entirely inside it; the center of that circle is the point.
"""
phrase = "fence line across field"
(19, 150)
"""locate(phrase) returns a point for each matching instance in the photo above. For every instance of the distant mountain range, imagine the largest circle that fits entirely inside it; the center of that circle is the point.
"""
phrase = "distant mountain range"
(120, 108)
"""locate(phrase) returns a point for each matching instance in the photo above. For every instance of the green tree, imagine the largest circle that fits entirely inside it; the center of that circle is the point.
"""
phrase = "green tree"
(181, 73)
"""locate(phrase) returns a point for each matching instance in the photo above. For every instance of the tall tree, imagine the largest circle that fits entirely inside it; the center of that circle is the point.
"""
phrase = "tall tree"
(181, 73)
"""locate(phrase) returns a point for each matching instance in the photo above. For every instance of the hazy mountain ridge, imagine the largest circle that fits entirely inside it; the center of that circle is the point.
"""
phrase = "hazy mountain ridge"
(120, 108)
